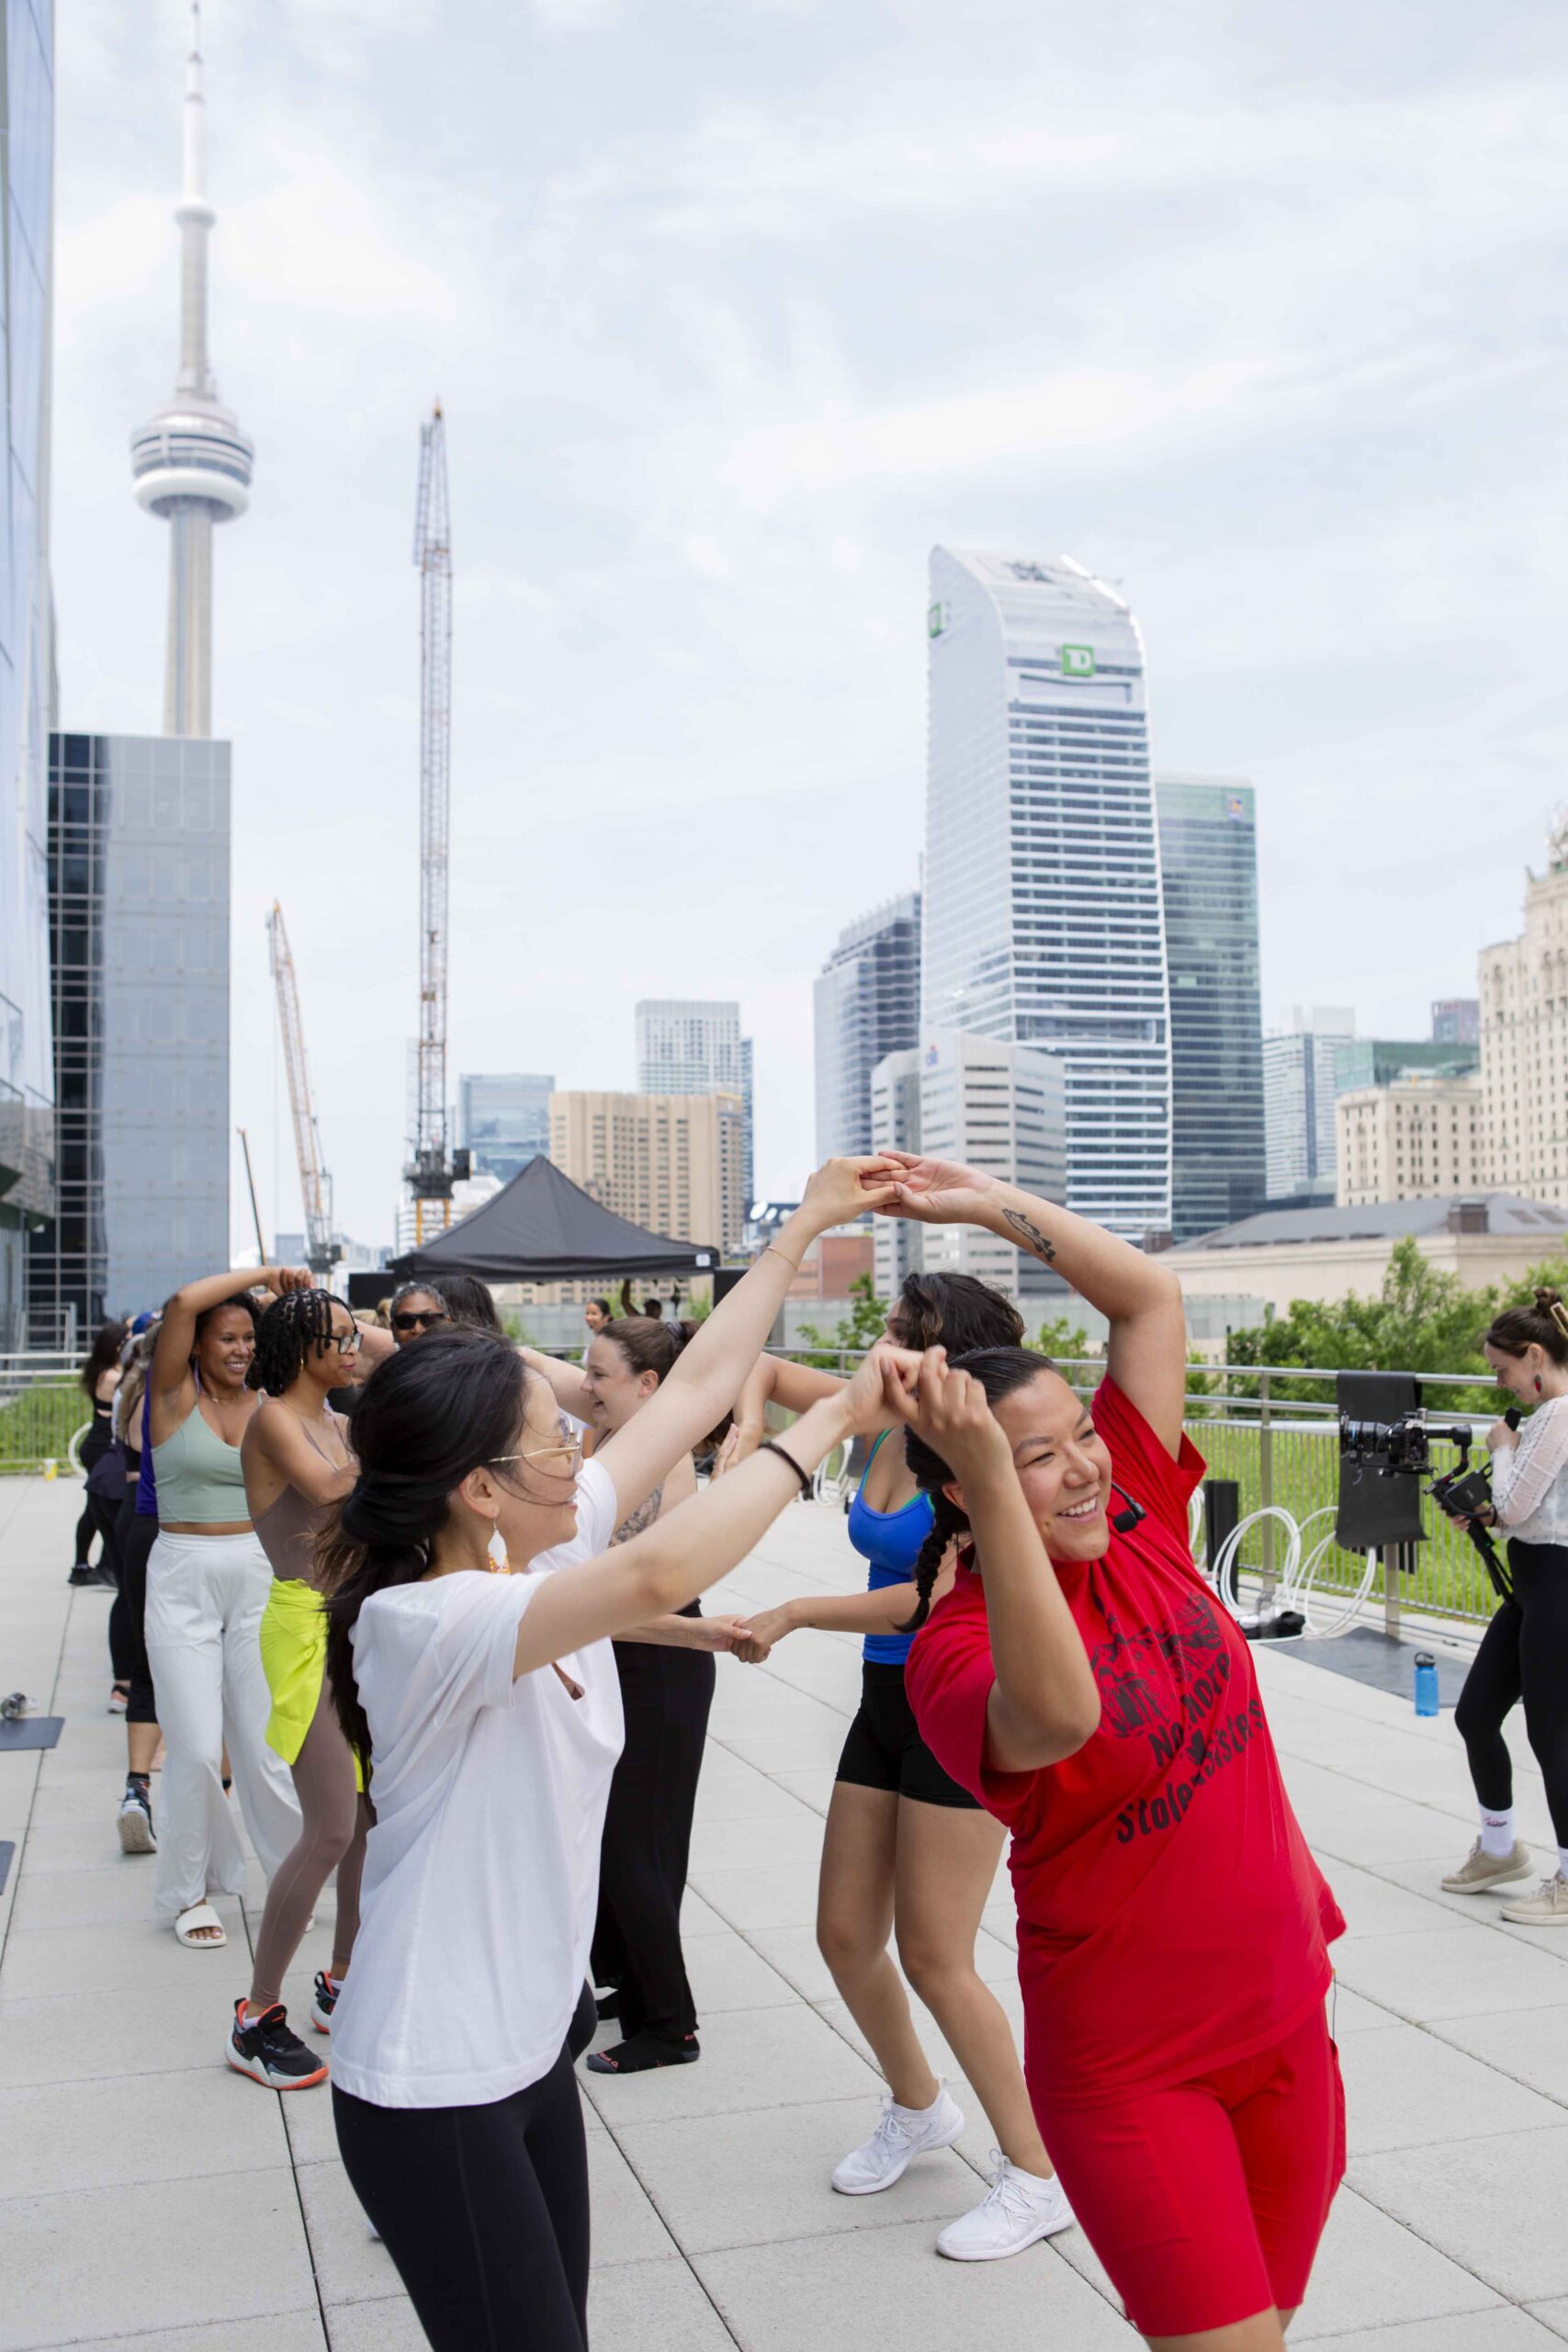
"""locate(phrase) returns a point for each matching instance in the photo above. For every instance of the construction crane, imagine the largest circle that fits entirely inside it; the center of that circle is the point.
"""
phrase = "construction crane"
(430, 1172)
(321, 1249)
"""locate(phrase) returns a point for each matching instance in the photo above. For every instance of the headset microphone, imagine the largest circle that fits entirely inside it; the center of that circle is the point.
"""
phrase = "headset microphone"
(1124, 1522)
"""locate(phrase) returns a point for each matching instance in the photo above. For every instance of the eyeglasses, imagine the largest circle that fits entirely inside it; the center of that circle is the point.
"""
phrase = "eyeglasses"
(560, 1458)
(418, 1322)
(348, 1343)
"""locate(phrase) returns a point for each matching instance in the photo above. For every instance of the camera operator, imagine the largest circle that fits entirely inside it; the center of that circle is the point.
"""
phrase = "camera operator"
(1525, 1651)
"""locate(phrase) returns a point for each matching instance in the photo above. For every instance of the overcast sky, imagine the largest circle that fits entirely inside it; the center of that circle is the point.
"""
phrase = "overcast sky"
(734, 310)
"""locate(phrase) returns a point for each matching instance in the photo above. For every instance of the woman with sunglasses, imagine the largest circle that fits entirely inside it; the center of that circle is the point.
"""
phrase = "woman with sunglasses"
(298, 1459)
(489, 1708)
(416, 1309)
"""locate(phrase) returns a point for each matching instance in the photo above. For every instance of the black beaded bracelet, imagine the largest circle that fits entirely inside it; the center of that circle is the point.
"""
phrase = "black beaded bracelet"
(769, 1445)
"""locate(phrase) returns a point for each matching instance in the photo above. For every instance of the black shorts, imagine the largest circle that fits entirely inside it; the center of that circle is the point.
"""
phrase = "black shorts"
(885, 1749)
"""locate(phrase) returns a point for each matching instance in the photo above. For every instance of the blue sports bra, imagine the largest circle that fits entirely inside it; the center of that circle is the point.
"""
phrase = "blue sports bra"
(890, 1541)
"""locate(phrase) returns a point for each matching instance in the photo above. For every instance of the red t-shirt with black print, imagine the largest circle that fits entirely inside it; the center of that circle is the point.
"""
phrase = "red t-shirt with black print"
(1170, 1918)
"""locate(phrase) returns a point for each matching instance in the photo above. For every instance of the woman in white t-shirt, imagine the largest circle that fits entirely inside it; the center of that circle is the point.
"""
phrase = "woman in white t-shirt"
(488, 1707)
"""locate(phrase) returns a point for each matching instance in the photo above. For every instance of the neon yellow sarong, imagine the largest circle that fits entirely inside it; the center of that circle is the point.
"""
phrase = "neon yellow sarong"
(294, 1659)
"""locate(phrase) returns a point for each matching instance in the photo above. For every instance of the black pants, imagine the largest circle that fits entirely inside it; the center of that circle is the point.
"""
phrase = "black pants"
(1523, 1655)
(136, 1538)
(484, 2210)
(666, 1694)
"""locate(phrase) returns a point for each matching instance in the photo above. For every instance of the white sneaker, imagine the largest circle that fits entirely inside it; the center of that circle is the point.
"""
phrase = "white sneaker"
(903, 2132)
(1018, 2210)
(1547, 1907)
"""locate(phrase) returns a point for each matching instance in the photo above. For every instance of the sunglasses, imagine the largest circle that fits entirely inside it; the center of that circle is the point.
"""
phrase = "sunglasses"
(418, 1322)
(562, 1457)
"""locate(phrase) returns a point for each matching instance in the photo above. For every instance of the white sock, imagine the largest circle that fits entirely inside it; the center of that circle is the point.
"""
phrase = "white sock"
(1562, 1861)
(1497, 1833)
(920, 2112)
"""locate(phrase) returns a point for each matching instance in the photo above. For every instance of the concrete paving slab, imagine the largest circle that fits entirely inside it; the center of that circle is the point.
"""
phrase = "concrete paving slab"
(753, 2060)
(282, 2331)
(1506, 2329)
(628, 2226)
(88, 1843)
(1553, 2316)
(241, 2256)
(1376, 1904)
(350, 2265)
(57, 2137)
(1497, 2205)
(1353, 2013)
(387, 2324)
(891, 2288)
(756, 1896)
(111, 1956)
(727, 1972)
(1372, 2272)
(107, 1895)
(1405, 2088)
(814, 1789)
(75, 2036)
(1453, 1970)
(776, 1841)
(723, 2182)
(652, 2307)
(1528, 2045)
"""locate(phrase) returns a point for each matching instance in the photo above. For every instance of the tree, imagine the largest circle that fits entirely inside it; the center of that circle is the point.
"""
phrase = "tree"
(852, 1334)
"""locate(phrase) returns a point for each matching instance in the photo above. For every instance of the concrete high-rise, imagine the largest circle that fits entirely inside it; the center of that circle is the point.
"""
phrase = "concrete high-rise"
(1419, 1138)
(672, 1163)
(694, 1045)
(1043, 918)
(190, 461)
(1524, 1039)
(1207, 848)
(999, 1108)
(504, 1119)
(1301, 1084)
(27, 666)
(138, 912)
(866, 1004)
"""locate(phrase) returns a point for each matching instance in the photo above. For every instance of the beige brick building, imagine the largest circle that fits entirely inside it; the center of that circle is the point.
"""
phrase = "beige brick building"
(1524, 1039)
(1418, 1138)
(672, 1163)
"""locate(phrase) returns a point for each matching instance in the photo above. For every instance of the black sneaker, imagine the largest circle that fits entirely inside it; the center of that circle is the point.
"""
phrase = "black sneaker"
(269, 2053)
(324, 2002)
(642, 2054)
(135, 1822)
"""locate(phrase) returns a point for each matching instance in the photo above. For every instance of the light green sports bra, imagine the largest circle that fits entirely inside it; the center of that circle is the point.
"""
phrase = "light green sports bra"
(198, 1478)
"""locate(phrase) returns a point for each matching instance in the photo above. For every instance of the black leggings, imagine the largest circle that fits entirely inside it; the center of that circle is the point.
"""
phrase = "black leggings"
(666, 1694)
(137, 1535)
(484, 2210)
(1523, 1655)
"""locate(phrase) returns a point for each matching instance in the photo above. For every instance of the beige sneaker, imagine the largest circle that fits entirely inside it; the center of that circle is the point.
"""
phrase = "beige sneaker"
(1548, 1907)
(1481, 1870)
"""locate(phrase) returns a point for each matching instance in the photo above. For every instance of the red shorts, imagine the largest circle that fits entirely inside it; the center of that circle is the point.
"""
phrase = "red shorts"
(1206, 2202)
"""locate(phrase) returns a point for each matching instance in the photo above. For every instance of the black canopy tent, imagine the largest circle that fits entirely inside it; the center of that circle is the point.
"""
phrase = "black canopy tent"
(543, 1228)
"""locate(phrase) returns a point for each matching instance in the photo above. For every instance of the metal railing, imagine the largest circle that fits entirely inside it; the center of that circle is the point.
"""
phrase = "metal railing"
(43, 1414)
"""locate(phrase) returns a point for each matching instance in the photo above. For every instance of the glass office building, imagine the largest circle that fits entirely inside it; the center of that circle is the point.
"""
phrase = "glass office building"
(1301, 1086)
(27, 679)
(694, 1045)
(1043, 917)
(866, 1004)
(139, 919)
(503, 1118)
(1207, 848)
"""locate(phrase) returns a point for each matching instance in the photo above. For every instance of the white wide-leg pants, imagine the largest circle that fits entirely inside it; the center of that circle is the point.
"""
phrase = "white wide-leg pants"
(205, 1597)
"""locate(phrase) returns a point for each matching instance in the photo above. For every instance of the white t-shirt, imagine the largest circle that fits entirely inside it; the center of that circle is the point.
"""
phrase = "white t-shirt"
(1529, 1478)
(481, 1874)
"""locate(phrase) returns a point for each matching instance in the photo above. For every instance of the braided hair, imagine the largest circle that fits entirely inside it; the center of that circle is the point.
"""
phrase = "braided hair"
(426, 1417)
(293, 1327)
(998, 1370)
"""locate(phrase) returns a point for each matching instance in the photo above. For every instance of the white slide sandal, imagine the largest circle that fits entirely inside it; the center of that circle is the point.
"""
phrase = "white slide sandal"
(200, 1915)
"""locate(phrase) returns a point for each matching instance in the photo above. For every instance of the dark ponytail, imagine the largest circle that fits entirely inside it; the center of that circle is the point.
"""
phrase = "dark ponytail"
(999, 1371)
(1543, 1324)
(425, 1418)
(470, 1303)
(650, 1345)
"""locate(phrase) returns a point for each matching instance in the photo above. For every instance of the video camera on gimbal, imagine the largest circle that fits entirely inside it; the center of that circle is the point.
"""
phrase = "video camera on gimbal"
(1385, 1451)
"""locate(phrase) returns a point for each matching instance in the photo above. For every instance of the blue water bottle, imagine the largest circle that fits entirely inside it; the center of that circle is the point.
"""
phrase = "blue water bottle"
(1426, 1683)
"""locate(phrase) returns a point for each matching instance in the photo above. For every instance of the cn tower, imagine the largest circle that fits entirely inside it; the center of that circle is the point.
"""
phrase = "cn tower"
(190, 461)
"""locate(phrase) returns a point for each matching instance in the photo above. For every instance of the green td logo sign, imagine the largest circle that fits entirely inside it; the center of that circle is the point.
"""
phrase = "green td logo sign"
(1077, 660)
(936, 621)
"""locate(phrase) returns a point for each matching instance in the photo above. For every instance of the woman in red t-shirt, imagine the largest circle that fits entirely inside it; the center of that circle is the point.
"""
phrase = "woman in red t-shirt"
(1081, 1679)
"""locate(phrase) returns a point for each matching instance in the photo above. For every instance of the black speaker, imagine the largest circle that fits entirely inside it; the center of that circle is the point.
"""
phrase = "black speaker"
(1377, 1504)
(1222, 1515)
(725, 1279)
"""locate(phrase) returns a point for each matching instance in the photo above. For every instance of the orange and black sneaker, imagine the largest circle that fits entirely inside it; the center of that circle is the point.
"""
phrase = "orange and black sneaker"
(266, 2049)
(324, 2001)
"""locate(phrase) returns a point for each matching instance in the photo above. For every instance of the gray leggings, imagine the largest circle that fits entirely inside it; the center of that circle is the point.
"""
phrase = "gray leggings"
(337, 1820)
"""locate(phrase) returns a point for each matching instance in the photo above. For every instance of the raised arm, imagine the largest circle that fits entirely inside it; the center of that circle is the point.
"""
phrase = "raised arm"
(273, 1438)
(1044, 1703)
(1138, 1295)
(565, 1382)
(169, 1376)
(710, 1370)
(682, 1555)
(881, 1612)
